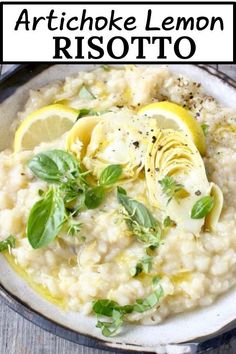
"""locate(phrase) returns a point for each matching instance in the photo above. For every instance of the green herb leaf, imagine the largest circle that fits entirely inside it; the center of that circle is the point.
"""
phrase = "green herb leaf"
(71, 190)
(136, 210)
(113, 310)
(110, 175)
(143, 305)
(147, 264)
(170, 187)
(140, 220)
(9, 242)
(121, 190)
(83, 112)
(85, 94)
(135, 271)
(94, 197)
(168, 222)
(112, 328)
(144, 265)
(202, 207)
(205, 128)
(89, 112)
(105, 307)
(155, 281)
(73, 226)
(54, 166)
(40, 192)
(46, 219)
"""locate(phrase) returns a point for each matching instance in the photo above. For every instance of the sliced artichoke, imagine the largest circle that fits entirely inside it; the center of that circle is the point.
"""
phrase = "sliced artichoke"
(173, 158)
(119, 138)
(112, 138)
(80, 135)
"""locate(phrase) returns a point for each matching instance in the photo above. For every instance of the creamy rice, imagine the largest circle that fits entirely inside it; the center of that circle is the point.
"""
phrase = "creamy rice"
(193, 271)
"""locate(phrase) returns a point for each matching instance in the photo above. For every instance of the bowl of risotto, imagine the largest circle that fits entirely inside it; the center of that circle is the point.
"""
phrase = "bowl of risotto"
(117, 204)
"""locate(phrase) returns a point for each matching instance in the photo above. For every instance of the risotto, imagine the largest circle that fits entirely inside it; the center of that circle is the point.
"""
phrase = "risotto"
(129, 213)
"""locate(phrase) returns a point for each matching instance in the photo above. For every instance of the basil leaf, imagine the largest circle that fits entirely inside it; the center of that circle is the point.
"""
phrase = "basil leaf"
(54, 166)
(9, 242)
(45, 219)
(143, 305)
(110, 175)
(86, 94)
(202, 207)
(136, 210)
(140, 220)
(94, 197)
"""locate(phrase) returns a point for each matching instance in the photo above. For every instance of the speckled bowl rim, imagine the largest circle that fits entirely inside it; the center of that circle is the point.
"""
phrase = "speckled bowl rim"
(9, 82)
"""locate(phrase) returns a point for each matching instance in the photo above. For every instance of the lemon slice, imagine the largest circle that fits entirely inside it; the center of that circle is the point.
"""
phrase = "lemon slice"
(172, 116)
(44, 125)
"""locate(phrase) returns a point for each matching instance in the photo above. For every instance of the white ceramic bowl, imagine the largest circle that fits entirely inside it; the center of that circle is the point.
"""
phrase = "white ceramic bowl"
(185, 333)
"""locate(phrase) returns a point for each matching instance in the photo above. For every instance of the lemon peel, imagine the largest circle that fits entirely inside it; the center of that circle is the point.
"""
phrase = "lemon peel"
(44, 125)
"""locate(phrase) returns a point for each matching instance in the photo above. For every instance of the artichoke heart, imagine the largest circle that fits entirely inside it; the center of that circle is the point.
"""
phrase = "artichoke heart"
(118, 138)
(174, 157)
(79, 136)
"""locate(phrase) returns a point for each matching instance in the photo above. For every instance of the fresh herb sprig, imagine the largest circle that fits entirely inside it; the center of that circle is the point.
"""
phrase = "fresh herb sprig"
(140, 220)
(170, 187)
(94, 196)
(70, 184)
(73, 225)
(117, 313)
(9, 242)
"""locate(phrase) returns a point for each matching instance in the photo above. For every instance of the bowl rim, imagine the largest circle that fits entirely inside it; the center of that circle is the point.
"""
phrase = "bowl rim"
(9, 82)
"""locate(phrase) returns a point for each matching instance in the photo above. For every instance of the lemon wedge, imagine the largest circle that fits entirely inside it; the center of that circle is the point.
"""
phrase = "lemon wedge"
(172, 116)
(44, 125)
